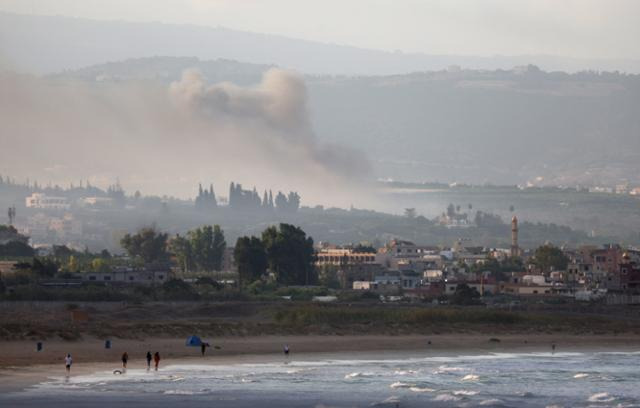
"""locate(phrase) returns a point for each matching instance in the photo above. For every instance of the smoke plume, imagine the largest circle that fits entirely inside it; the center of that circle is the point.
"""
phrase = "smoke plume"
(165, 141)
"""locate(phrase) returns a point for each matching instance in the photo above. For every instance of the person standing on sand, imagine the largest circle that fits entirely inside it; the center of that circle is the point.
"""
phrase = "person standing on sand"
(67, 362)
(203, 348)
(286, 353)
(149, 357)
(125, 358)
(156, 359)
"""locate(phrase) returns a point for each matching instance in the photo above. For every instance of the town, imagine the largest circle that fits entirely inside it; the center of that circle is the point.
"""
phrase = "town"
(398, 270)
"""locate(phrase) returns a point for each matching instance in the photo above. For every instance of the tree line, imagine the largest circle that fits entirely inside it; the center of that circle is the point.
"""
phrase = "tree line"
(201, 249)
(249, 200)
(286, 251)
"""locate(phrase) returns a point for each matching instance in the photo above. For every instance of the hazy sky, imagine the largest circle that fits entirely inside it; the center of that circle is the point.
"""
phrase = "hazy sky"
(575, 28)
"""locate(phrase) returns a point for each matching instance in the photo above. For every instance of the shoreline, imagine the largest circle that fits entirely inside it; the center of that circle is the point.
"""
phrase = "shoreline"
(22, 367)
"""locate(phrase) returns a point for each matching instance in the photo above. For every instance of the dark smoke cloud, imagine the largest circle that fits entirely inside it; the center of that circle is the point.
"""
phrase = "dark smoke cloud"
(166, 141)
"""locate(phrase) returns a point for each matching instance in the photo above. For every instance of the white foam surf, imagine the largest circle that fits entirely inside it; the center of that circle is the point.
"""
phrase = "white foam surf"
(401, 385)
(421, 389)
(601, 397)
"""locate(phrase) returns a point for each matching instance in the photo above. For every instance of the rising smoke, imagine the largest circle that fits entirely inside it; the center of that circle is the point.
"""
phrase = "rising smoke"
(165, 141)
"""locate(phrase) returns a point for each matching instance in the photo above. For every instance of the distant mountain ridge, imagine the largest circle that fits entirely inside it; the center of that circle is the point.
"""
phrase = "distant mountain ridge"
(168, 69)
(46, 44)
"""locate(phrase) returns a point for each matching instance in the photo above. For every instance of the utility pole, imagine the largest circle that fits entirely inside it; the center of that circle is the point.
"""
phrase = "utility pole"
(11, 212)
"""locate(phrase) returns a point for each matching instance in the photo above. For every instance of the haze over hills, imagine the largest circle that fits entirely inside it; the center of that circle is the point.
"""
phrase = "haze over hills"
(139, 110)
(46, 44)
(512, 126)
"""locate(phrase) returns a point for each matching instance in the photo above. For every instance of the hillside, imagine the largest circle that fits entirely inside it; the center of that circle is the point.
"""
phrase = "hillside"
(474, 126)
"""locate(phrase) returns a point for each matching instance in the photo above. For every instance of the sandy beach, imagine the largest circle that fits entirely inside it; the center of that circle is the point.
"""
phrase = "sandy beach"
(21, 366)
(255, 332)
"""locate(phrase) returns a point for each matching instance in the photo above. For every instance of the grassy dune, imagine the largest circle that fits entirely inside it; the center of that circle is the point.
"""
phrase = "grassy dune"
(50, 320)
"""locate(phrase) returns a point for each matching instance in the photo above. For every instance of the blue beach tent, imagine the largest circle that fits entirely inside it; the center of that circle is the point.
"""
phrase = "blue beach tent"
(194, 341)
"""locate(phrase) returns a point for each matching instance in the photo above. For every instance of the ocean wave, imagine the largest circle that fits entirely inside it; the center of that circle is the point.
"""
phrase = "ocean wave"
(447, 368)
(391, 400)
(601, 397)
(581, 375)
(470, 377)
(447, 398)
(618, 353)
(357, 375)
(182, 392)
(443, 369)
(421, 389)
(401, 385)
(465, 392)
(404, 372)
(490, 401)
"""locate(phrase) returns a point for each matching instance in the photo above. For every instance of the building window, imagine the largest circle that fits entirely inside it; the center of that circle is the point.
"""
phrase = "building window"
(161, 277)
(92, 278)
(107, 278)
(131, 278)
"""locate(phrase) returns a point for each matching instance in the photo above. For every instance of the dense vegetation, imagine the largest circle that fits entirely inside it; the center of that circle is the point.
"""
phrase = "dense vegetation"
(353, 225)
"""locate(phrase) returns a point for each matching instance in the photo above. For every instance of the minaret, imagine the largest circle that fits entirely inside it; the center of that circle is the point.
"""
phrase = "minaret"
(515, 249)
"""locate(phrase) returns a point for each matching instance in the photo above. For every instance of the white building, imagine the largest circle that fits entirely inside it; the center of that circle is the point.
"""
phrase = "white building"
(44, 202)
(96, 202)
(128, 276)
(535, 280)
(432, 275)
(402, 254)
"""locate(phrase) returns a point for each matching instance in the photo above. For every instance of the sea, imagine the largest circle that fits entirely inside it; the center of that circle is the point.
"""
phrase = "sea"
(523, 379)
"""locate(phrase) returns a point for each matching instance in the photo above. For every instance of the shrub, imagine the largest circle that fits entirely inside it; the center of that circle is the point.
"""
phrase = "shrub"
(206, 280)
(261, 287)
(340, 315)
(177, 289)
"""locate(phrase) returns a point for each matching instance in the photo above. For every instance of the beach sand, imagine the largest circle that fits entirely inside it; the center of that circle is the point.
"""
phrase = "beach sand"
(21, 366)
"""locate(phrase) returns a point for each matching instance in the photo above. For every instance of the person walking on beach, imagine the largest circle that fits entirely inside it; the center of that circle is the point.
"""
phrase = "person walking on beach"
(67, 362)
(285, 349)
(149, 357)
(125, 358)
(156, 359)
